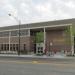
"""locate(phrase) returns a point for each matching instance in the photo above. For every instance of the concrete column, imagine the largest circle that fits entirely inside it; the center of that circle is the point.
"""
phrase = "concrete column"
(29, 32)
(9, 39)
(72, 40)
(44, 39)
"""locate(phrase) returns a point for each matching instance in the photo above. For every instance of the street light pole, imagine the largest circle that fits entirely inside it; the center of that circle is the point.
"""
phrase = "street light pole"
(19, 22)
(19, 38)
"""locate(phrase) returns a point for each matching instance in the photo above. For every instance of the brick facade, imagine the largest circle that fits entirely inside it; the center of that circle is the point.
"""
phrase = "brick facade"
(58, 39)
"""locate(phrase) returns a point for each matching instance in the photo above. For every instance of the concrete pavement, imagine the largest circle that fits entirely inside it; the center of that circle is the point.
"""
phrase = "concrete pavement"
(36, 65)
(38, 58)
(12, 67)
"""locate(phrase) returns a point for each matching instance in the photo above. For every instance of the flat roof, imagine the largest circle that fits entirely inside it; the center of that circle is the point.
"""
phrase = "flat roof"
(40, 24)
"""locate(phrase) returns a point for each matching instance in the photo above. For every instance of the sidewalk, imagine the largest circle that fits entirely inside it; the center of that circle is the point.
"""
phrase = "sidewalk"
(35, 56)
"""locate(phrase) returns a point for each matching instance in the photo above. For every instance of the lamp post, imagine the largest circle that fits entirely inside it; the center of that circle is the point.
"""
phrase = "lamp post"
(19, 22)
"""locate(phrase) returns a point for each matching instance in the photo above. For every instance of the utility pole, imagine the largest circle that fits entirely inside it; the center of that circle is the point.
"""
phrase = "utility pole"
(19, 38)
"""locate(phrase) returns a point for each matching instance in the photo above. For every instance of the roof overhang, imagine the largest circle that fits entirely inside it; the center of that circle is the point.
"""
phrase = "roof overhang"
(51, 26)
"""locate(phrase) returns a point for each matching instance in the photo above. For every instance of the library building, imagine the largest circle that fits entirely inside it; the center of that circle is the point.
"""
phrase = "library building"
(39, 38)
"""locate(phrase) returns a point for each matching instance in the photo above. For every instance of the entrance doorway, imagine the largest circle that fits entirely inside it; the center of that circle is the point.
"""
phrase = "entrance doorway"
(37, 36)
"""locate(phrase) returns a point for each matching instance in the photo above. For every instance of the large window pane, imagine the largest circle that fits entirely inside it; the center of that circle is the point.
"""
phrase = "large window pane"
(14, 33)
(4, 34)
(23, 32)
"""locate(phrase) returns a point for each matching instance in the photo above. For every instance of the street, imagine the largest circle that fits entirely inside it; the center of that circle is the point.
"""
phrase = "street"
(34, 67)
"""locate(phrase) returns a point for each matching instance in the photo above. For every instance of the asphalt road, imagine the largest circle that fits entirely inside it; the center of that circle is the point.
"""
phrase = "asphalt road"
(34, 67)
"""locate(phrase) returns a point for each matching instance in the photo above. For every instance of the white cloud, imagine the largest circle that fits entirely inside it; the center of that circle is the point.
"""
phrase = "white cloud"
(36, 10)
(7, 21)
(60, 14)
(44, 8)
(24, 8)
(70, 4)
(8, 8)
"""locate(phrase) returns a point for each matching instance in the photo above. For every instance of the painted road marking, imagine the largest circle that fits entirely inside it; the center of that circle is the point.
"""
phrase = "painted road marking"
(40, 62)
(35, 62)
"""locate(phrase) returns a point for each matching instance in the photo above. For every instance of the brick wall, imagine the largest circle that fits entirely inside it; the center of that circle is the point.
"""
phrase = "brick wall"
(58, 40)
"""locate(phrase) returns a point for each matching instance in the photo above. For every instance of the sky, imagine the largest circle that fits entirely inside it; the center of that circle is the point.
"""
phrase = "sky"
(30, 11)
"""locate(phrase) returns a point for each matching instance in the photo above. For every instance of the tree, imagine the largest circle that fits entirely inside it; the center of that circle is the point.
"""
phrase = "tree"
(39, 37)
(70, 31)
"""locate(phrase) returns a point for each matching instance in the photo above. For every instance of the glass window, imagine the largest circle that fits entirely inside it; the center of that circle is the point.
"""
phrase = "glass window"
(17, 47)
(14, 33)
(14, 47)
(24, 46)
(4, 34)
(2, 47)
(11, 47)
(23, 32)
(7, 47)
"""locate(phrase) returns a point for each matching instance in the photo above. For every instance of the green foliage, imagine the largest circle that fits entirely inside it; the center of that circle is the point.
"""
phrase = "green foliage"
(67, 30)
(70, 29)
(73, 30)
(39, 37)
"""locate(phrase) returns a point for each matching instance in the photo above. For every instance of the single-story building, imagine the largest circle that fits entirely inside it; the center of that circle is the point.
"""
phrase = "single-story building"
(38, 38)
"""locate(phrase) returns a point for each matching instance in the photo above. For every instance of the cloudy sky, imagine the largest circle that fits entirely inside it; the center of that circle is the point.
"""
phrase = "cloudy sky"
(29, 11)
